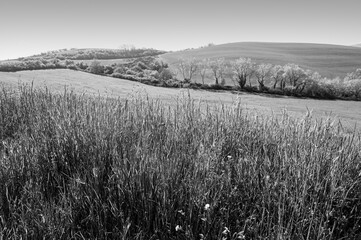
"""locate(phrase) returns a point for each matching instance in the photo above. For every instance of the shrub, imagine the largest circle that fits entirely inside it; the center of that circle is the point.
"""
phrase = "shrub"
(108, 70)
(165, 74)
(96, 67)
(131, 72)
(120, 69)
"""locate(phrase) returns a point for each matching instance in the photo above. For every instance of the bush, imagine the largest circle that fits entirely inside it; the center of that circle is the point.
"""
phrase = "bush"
(96, 67)
(165, 74)
(108, 70)
(120, 69)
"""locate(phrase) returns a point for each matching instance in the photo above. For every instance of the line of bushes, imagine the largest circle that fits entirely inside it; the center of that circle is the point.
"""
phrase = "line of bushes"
(290, 79)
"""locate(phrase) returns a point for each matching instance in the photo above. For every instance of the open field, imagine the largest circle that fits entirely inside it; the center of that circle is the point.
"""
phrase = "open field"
(347, 111)
(329, 60)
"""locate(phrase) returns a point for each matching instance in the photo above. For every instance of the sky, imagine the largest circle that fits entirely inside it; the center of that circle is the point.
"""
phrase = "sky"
(30, 27)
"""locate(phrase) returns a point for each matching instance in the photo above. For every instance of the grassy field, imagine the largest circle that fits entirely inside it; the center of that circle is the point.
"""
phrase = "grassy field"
(77, 166)
(329, 60)
(348, 112)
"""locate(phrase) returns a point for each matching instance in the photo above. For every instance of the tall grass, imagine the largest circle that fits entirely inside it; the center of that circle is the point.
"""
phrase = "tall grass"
(74, 166)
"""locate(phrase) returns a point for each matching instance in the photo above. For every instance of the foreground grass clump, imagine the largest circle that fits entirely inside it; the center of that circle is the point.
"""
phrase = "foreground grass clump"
(74, 166)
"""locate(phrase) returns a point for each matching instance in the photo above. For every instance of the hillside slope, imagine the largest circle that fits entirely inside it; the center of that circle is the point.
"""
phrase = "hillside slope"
(81, 82)
(328, 60)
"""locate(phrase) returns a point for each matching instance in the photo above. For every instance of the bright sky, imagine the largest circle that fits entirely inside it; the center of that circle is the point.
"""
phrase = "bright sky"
(33, 26)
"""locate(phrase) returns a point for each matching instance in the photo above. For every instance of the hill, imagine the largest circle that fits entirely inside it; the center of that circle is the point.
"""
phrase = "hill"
(81, 82)
(357, 45)
(329, 60)
(94, 53)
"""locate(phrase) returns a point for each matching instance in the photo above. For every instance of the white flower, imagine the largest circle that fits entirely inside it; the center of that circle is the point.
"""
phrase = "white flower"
(226, 231)
(206, 207)
(181, 212)
(178, 228)
(241, 236)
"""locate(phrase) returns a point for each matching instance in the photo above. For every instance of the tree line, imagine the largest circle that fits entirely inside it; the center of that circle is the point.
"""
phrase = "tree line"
(246, 74)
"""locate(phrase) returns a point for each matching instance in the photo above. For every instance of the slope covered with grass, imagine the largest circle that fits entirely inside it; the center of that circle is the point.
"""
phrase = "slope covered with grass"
(328, 60)
(75, 166)
(84, 83)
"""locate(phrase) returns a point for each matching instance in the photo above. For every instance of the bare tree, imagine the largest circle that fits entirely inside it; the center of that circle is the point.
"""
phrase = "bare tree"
(188, 68)
(243, 68)
(202, 69)
(277, 76)
(263, 72)
(217, 67)
(294, 74)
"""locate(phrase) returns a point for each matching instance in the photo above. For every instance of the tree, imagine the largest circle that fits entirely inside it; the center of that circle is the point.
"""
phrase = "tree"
(277, 75)
(243, 68)
(202, 69)
(354, 75)
(217, 67)
(96, 67)
(294, 74)
(165, 74)
(353, 86)
(262, 72)
(187, 68)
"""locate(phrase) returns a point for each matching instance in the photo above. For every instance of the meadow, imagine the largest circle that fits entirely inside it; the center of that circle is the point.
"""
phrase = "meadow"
(346, 112)
(124, 161)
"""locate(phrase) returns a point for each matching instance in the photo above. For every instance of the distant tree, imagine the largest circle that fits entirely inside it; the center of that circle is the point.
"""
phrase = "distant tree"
(120, 69)
(217, 67)
(262, 73)
(354, 75)
(203, 68)
(96, 67)
(295, 75)
(353, 87)
(188, 68)
(158, 65)
(165, 74)
(108, 70)
(243, 69)
(276, 75)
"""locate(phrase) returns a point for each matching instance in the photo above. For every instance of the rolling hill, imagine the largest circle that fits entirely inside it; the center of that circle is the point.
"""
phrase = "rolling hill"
(329, 60)
(80, 82)
(357, 45)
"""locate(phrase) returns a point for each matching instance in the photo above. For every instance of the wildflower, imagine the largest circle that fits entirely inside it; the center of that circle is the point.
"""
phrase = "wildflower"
(95, 172)
(229, 157)
(207, 207)
(178, 228)
(241, 236)
(201, 236)
(181, 212)
(79, 181)
(225, 231)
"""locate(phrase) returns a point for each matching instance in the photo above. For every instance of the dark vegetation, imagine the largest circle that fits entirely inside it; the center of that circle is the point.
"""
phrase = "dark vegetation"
(80, 167)
(94, 53)
(65, 58)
